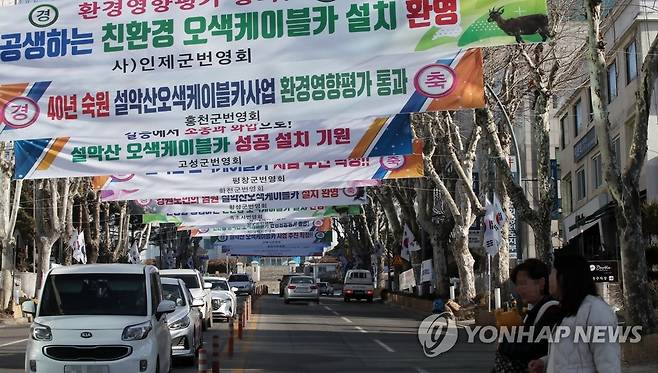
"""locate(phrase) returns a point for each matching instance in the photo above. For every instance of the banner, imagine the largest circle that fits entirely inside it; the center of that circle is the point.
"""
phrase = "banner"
(277, 240)
(284, 251)
(256, 201)
(239, 144)
(426, 271)
(279, 177)
(280, 226)
(68, 103)
(127, 38)
(202, 217)
(407, 280)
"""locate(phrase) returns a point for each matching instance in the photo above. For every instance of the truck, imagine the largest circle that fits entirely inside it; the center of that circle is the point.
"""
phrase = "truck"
(358, 284)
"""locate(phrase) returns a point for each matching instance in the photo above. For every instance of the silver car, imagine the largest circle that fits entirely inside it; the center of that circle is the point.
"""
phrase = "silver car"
(185, 323)
(301, 288)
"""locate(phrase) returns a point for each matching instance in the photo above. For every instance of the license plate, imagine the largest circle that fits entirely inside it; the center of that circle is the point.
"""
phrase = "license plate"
(358, 291)
(304, 290)
(86, 369)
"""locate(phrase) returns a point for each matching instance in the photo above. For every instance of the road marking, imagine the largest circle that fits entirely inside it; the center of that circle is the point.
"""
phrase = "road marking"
(336, 313)
(13, 343)
(421, 370)
(346, 319)
(327, 308)
(384, 346)
(361, 329)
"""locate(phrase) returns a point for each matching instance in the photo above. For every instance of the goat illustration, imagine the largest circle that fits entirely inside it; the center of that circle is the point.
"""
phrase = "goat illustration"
(524, 25)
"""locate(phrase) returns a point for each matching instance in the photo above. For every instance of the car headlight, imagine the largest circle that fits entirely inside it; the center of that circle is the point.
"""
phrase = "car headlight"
(41, 332)
(181, 323)
(136, 332)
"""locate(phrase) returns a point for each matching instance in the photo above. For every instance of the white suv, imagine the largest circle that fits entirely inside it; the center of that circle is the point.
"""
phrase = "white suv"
(101, 317)
(199, 289)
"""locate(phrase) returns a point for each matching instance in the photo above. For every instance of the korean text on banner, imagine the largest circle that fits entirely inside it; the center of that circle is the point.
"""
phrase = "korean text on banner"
(131, 37)
(282, 251)
(281, 226)
(93, 106)
(202, 217)
(209, 181)
(240, 144)
(250, 201)
(277, 240)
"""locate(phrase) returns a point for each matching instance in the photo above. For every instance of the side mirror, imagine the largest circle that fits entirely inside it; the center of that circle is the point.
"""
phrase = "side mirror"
(234, 289)
(28, 307)
(166, 306)
(207, 285)
(198, 303)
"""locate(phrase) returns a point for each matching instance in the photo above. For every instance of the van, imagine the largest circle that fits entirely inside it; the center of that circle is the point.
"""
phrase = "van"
(358, 284)
(108, 318)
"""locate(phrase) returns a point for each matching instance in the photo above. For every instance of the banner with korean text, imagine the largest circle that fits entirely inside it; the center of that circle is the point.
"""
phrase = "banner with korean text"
(121, 37)
(202, 216)
(250, 201)
(288, 176)
(65, 103)
(277, 240)
(279, 251)
(280, 226)
(239, 144)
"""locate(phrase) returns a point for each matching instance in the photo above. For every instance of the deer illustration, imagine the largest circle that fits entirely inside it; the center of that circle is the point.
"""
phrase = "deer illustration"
(524, 25)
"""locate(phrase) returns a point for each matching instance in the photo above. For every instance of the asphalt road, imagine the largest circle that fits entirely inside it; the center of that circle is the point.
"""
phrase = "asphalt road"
(304, 337)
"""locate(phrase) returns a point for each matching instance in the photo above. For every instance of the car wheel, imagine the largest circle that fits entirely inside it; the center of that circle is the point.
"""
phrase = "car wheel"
(346, 299)
(370, 300)
(317, 301)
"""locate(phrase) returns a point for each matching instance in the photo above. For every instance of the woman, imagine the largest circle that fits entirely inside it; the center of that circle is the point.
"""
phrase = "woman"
(572, 284)
(531, 281)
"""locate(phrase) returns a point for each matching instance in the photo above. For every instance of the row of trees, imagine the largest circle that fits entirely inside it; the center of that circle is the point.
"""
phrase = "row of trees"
(522, 82)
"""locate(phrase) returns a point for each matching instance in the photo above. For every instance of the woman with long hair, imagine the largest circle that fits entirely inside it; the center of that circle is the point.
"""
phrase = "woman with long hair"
(571, 283)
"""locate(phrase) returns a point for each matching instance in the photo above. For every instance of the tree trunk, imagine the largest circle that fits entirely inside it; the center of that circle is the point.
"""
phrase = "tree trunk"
(92, 227)
(465, 263)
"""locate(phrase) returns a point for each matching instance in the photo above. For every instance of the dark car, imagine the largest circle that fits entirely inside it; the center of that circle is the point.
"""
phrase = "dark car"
(325, 289)
(283, 282)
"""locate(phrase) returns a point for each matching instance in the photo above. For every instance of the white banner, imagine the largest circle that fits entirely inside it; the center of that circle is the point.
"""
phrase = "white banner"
(89, 106)
(241, 144)
(284, 251)
(281, 226)
(288, 176)
(202, 216)
(407, 280)
(426, 272)
(276, 240)
(256, 201)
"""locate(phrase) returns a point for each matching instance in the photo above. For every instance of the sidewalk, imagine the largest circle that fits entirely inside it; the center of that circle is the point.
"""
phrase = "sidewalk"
(8, 321)
(644, 368)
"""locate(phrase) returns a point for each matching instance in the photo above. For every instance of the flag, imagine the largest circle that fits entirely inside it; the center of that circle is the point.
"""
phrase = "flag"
(491, 240)
(74, 244)
(408, 244)
(499, 214)
(82, 246)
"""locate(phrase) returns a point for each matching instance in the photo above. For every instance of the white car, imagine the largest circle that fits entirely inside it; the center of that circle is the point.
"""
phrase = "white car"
(301, 288)
(108, 318)
(186, 322)
(224, 301)
(242, 282)
(199, 289)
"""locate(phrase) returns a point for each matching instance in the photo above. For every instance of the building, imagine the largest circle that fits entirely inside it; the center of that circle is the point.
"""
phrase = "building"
(588, 221)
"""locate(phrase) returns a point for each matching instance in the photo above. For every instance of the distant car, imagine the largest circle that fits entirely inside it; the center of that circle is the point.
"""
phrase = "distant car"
(325, 288)
(101, 318)
(224, 301)
(301, 288)
(186, 322)
(358, 284)
(198, 288)
(242, 282)
(283, 282)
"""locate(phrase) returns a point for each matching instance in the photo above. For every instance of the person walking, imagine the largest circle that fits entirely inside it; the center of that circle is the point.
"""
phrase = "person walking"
(531, 281)
(571, 283)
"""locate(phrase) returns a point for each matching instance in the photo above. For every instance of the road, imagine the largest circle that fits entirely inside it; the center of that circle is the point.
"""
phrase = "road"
(332, 336)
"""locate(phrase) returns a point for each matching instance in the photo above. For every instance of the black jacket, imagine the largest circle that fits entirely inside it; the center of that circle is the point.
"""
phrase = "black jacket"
(526, 351)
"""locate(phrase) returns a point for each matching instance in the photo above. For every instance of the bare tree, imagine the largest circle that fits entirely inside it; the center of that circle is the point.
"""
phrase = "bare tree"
(8, 212)
(441, 132)
(624, 185)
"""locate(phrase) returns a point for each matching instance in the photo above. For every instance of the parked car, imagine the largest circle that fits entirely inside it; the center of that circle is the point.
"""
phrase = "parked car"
(283, 282)
(301, 288)
(242, 282)
(325, 288)
(358, 284)
(199, 289)
(110, 315)
(186, 322)
(224, 301)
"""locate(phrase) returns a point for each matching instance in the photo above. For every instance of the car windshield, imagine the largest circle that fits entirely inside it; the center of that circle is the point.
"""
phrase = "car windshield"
(301, 280)
(238, 278)
(218, 284)
(173, 293)
(94, 294)
(191, 281)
